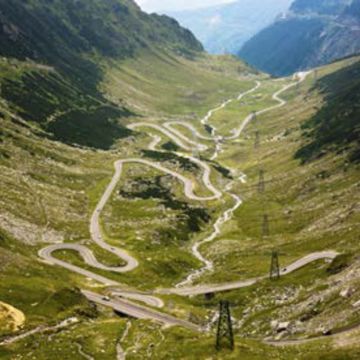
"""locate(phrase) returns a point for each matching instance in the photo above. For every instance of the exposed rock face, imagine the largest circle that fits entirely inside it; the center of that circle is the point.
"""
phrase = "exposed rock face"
(312, 33)
(283, 326)
(347, 292)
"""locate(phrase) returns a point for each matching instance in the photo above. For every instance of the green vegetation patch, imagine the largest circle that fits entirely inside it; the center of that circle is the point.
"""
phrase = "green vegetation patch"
(340, 263)
(190, 219)
(184, 163)
(170, 146)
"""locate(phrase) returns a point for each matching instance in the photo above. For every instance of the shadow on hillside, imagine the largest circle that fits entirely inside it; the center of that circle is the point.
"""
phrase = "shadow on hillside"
(69, 114)
(336, 126)
(98, 128)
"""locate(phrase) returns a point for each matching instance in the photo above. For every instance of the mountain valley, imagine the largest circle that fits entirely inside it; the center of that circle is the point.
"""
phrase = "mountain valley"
(143, 181)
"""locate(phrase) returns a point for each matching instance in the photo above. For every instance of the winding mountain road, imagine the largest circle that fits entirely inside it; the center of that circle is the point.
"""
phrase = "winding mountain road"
(138, 311)
(227, 215)
(117, 302)
(300, 77)
(169, 125)
(207, 289)
(178, 140)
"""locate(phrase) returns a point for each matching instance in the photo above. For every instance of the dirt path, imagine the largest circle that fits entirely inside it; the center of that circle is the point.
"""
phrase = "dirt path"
(39, 329)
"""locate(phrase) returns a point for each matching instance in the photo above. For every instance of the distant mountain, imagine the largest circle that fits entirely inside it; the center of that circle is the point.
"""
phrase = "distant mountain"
(312, 33)
(325, 7)
(225, 28)
(353, 9)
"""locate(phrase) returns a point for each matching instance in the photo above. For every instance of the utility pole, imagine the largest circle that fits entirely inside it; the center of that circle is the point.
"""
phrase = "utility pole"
(257, 139)
(265, 226)
(254, 118)
(224, 333)
(274, 267)
(261, 184)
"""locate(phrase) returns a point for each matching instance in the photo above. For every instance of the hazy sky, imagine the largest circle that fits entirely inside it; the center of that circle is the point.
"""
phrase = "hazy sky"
(169, 5)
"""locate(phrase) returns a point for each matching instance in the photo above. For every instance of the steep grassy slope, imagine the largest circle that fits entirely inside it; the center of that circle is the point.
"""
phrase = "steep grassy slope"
(50, 188)
(311, 205)
(240, 252)
(64, 97)
(160, 85)
(74, 40)
(69, 34)
(335, 127)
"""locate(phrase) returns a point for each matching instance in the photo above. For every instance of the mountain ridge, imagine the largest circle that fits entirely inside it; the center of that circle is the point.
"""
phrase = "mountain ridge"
(76, 40)
(309, 35)
(224, 28)
(145, 163)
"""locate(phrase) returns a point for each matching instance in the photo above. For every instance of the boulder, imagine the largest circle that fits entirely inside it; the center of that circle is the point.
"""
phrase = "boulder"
(274, 324)
(283, 326)
(346, 293)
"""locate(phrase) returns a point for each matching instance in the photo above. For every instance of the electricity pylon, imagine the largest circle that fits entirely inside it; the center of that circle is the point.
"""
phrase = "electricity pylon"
(257, 139)
(274, 267)
(224, 335)
(265, 226)
(261, 184)
(254, 118)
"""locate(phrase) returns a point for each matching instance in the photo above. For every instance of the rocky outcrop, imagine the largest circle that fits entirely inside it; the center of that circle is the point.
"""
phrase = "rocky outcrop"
(312, 33)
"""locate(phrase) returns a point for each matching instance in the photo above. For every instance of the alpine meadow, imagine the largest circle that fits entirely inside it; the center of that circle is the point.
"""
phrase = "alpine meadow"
(161, 202)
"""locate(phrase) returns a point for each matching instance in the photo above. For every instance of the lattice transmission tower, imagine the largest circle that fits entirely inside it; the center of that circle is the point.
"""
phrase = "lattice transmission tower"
(274, 267)
(257, 139)
(224, 335)
(261, 184)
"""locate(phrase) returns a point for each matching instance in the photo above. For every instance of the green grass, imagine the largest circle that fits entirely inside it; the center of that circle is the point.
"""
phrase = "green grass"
(157, 84)
(51, 189)
(234, 114)
(310, 208)
(335, 127)
(144, 339)
(296, 197)
(45, 294)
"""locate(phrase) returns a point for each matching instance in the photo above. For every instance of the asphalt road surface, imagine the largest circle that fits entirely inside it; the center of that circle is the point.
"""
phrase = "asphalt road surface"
(117, 301)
